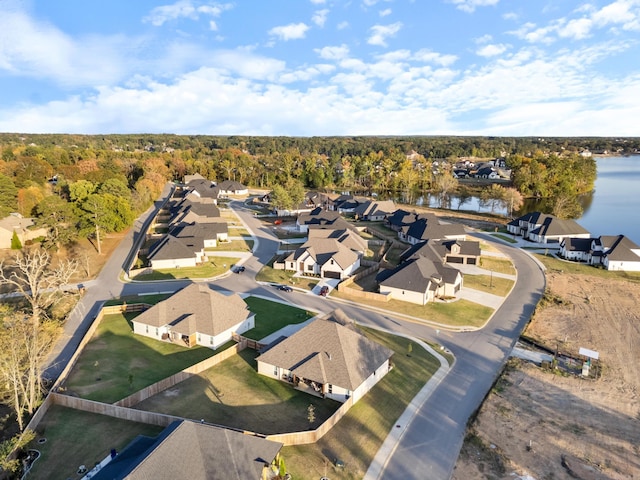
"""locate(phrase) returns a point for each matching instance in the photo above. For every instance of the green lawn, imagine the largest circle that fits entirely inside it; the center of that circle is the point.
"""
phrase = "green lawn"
(116, 363)
(215, 266)
(487, 283)
(500, 265)
(77, 438)
(460, 313)
(269, 274)
(554, 264)
(272, 316)
(244, 245)
(233, 394)
(505, 237)
(358, 435)
(148, 299)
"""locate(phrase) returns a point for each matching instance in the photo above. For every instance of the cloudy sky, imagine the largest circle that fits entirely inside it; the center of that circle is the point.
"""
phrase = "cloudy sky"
(321, 67)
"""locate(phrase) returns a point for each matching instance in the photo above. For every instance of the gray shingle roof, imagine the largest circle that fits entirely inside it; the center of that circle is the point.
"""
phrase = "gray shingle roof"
(622, 250)
(171, 248)
(197, 309)
(322, 250)
(196, 451)
(553, 226)
(418, 275)
(326, 352)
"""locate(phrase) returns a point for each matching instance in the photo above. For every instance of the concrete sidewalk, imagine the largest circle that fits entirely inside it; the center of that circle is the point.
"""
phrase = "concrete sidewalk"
(377, 467)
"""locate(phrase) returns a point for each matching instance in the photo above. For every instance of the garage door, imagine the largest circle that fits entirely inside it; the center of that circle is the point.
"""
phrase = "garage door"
(328, 274)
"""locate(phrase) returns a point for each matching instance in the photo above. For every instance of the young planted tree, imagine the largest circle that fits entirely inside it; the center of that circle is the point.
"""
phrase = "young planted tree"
(16, 244)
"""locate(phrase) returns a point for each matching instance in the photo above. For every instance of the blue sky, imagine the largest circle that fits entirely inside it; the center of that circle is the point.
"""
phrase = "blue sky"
(321, 67)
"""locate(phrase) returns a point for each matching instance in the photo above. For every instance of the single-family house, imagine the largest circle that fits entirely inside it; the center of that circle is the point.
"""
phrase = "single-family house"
(617, 252)
(348, 237)
(577, 249)
(399, 219)
(231, 187)
(171, 252)
(553, 230)
(195, 315)
(374, 210)
(318, 216)
(328, 358)
(203, 188)
(194, 450)
(427, 226)
(24, 228)
(465, 252)
(420, 280)
(326, 257)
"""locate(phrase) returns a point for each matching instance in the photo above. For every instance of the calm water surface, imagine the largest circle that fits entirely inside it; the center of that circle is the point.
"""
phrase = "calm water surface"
(615, 204)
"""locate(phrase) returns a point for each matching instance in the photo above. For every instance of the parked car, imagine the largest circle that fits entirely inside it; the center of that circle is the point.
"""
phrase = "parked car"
(324, 291)
(239, 269)
(285, 288)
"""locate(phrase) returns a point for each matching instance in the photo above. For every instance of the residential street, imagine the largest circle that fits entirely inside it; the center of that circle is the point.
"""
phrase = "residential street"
(429, 447)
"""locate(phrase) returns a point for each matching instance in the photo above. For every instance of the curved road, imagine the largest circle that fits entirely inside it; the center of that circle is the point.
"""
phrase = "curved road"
(429, 447)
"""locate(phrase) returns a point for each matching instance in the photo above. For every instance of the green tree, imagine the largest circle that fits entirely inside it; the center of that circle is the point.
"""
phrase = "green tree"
(280, 198)
(8, 196)
(16, 244)
(104, 213)
(59, 218)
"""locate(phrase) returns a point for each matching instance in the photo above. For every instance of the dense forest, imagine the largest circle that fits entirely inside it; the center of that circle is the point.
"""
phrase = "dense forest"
(81, 185)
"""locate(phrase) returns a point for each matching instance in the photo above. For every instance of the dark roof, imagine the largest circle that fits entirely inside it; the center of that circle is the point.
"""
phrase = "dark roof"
(574, 244)
(439, 249)
(197, 309)
(318, 216)
(231, 186)
(193, 450)
(418, 274)
(204, 188)
(428, 227)
(325, 351)
(170, 247)
(204, 231)
(401, 217)
(553, 226)
(622, 250)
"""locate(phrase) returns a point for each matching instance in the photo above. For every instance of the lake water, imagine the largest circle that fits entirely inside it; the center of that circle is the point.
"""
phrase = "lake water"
(612, 208)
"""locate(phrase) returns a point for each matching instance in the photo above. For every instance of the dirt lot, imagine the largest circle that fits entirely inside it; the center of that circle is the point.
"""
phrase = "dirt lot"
(533, 419)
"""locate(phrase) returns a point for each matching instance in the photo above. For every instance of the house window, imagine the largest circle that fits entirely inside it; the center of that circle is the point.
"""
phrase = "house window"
(156, 332)
(331, 261)
(210, 340)
(347, 395)
(275, 371)
(310, 268)
(146, 329)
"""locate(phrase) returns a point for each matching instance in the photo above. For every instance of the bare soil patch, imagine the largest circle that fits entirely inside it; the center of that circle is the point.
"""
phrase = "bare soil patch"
(551, 426)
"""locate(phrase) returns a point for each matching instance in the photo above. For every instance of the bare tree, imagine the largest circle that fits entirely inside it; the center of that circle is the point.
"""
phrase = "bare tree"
(512, 200)
(24, 346)
(33, 276)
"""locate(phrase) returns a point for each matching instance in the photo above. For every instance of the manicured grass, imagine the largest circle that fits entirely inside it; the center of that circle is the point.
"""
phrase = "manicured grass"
(148, 299)
(460, 313)
(497, 265)
(77, 438)
(393, 255)
(554, 264)
(244, 245)
(116, 363)
(486, 283)
(233, 394)
(380, 228)
(504, 237)
(271, 275)
(358, 435)
(215, 266)
(366, 284)
(272, 316)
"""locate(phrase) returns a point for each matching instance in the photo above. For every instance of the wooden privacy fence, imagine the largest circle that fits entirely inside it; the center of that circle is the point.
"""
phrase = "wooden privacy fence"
(169, 382)
(134, 307)
(312, 436)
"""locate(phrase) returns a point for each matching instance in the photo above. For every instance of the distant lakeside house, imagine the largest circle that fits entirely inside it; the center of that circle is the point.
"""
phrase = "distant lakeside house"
(328, 358)
(542, 228)
(195, 315)
(612, 252)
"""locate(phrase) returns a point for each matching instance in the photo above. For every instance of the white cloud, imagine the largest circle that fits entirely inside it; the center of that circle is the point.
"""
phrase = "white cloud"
(428, 56)
(491, 50)
(293, 31)
(385, 13)
(184, 9)
(318, 2)
(510, 16)
(380, 33)
(576, 29)
(342, 25)
(470, 6)
(333, 53)
(320, 17)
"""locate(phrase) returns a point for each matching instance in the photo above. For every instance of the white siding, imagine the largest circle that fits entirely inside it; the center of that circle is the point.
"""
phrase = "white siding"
(419, 298)
(173, 263)
(621, 265)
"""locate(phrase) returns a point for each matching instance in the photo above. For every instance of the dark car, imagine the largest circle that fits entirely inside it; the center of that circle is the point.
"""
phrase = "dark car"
(285, 288)
(324, 291)
(240, 269)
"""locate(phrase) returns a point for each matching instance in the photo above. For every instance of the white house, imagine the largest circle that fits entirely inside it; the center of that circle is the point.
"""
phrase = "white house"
(195, 315)
(327, 359)
(326, 257)
(24, 228)
(618, 253)
(231, 187)
(577, 249)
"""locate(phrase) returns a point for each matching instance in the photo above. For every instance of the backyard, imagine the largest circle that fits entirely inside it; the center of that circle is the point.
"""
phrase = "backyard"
(233, 394)
(212, 268)
(272, 316)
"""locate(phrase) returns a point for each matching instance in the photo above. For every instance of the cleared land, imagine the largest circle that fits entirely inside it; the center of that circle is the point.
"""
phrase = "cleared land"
(595, 424)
